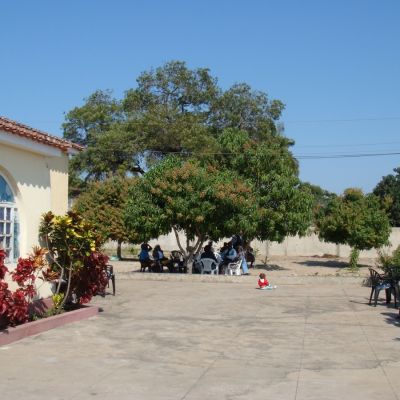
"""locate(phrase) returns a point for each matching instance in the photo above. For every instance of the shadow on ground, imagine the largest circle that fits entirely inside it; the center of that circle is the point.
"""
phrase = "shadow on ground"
(328, 264)
(392, 318)
(270, 267)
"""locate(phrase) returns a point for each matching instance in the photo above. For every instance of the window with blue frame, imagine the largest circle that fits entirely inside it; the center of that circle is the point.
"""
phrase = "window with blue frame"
(9, 224)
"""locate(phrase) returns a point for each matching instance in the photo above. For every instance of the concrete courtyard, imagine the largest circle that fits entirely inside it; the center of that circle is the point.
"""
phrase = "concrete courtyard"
(312, 338)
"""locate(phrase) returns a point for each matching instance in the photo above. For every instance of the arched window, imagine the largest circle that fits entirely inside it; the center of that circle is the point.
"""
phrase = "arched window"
(9, 225)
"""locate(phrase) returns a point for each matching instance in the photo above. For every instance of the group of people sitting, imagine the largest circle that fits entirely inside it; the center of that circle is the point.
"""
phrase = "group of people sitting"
(230, 252)
(156, 262)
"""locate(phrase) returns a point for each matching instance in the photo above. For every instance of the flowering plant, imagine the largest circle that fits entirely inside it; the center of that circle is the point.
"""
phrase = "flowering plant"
(76, 264)
(14, 305)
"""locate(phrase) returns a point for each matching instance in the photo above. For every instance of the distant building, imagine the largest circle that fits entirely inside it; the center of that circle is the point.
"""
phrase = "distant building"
(33, 180)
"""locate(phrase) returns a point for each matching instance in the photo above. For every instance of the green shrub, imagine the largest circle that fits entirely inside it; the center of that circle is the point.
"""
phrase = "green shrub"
(390, 263)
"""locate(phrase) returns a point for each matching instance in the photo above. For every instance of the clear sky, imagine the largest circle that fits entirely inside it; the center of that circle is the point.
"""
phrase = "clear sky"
(334, 63)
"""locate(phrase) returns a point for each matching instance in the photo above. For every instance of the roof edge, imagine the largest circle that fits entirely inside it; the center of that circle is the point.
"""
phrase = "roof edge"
(26, 131)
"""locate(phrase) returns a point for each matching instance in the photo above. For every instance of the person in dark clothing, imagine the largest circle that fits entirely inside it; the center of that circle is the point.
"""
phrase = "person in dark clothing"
(208, 253)
(144, 257)
(228, 255)
(250, 258)
(145, 248)
(236, 241)
(224, 250)
(159, 259)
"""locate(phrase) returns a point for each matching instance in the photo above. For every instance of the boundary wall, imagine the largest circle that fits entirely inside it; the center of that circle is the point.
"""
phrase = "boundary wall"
(292, 246)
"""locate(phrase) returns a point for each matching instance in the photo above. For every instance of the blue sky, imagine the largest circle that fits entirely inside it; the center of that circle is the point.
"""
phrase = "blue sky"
(335, 64)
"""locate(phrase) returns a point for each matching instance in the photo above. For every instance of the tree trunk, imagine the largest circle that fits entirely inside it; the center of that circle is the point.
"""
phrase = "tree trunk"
(188, 254)
(354, 255)
(119, 251)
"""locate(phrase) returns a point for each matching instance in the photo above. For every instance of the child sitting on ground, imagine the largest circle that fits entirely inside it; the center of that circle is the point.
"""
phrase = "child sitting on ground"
(263, 282)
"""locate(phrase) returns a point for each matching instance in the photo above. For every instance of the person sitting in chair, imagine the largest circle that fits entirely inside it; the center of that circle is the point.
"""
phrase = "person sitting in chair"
(208, 253)
(228, 256)
(223, 251)
(159, 259)
(144, 256)
(231, 255)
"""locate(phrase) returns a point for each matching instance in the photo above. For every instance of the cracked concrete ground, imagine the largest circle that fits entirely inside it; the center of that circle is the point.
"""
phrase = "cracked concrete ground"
(308, 339)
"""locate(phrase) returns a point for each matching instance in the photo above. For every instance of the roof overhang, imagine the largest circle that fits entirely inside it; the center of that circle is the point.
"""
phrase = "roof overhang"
(22, 136)
(29, 145)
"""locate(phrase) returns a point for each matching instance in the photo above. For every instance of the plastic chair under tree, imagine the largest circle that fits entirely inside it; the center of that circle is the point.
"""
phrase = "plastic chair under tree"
(379, 282)
(109, 270)
(209, 266)
(233, 268)
(177, 261)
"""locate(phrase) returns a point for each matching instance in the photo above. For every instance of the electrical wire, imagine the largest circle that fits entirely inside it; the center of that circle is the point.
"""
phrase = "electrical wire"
(340, 120)
(359, 155)
(310, 156)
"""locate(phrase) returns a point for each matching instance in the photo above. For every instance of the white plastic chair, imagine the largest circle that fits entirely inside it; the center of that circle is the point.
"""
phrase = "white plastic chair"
(209, 266)
(196, 267)
(233, 268)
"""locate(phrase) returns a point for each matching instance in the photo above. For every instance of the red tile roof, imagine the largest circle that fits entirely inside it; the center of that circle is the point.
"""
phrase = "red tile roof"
(16, 128)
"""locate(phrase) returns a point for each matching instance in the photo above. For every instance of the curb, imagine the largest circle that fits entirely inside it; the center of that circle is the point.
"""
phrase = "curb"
(12, 334)
(289, 279)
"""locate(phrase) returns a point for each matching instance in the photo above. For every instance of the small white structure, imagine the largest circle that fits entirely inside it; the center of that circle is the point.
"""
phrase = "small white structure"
(33, 180)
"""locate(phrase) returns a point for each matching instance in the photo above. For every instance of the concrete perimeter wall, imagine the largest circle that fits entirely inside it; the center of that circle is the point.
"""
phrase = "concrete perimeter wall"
(292, 246)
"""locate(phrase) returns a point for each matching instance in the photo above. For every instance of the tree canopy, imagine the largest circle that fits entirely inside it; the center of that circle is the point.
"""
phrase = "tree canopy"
(202, 201)
(111, 150)
(102, 205)
(172, 109)
(388, 190)
(321, 197)
(232, 169)
(284, 206)
(354, 219)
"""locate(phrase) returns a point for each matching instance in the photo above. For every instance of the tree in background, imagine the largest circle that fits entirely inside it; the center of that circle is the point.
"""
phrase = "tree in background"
(284, 206)
(111, 150)
(169, 108)
(172, 109)
(240, 107)
(177, 110)
(201, 201)
(388, 190)
(102, 205)
(354, 219)
(321, 197)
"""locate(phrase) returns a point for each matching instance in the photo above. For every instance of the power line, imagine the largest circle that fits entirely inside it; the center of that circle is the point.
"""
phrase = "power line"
(300, 121)
(298, 156)
(327, 156)
(345, 145)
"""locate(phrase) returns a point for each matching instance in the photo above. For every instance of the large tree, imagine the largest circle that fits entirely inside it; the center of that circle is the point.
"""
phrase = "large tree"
(284, 206)
(354, 219)
(388, 190)
(202, 202)
(171, 109)
(241, 107)
(103, 204)
(111, 149)
(177, 110)
(321, 197)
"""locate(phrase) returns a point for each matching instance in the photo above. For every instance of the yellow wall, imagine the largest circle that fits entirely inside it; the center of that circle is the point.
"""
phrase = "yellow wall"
(39, 183)
(59, 184)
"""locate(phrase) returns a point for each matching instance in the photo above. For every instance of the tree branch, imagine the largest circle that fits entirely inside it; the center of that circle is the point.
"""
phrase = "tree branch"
(178, 241)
